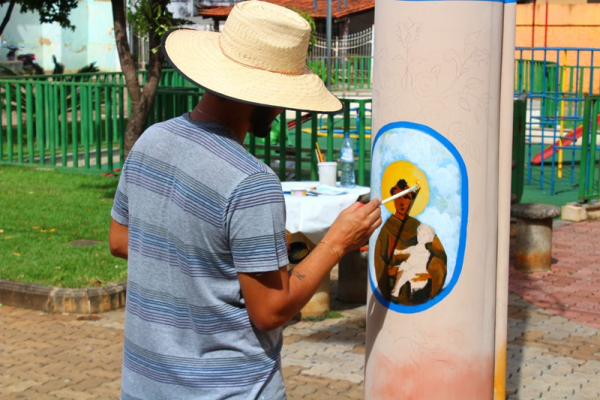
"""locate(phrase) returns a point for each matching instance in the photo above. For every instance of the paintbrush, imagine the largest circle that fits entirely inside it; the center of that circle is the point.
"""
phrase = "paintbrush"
(402, 193)
(319, 153)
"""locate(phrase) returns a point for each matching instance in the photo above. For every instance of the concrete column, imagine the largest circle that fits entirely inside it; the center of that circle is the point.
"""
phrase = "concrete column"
(442, 120)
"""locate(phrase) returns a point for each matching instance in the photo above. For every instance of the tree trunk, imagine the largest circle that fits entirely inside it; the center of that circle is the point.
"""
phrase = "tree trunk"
(7, 16)
(141, 99)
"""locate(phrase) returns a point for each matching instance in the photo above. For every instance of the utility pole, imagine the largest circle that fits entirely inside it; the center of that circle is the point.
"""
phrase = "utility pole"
(328, 50)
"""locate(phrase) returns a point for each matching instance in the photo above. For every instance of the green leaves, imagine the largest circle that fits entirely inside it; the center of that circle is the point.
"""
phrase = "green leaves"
(152, 17)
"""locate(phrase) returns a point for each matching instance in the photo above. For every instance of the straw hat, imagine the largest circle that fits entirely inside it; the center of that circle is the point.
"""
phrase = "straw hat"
(259, 58)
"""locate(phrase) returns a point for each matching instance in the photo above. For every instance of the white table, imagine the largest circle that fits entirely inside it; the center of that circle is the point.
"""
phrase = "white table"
(313, 215)
(308, 218)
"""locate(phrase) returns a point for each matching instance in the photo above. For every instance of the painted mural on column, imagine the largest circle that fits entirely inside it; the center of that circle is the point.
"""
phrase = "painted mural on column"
(419, 250)
(439, 98)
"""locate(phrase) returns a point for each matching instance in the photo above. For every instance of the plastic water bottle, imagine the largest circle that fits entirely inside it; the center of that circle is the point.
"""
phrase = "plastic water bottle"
(347, 180)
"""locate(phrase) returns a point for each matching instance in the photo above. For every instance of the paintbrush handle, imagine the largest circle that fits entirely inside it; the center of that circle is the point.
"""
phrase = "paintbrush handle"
(402, 193)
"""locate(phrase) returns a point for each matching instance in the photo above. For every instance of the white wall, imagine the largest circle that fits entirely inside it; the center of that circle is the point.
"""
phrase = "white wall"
(92, 39)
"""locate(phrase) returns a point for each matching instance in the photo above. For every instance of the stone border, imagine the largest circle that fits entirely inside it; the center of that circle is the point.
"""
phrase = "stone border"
(63, 300)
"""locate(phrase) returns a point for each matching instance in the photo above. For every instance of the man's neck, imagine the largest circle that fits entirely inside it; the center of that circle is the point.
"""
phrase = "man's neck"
(233, 114)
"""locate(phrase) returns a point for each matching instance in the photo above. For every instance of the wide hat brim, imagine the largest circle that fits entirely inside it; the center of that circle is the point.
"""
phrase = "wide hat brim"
(198, 57)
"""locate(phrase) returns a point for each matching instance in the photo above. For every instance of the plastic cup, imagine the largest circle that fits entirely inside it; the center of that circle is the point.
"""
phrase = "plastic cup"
(327, 173)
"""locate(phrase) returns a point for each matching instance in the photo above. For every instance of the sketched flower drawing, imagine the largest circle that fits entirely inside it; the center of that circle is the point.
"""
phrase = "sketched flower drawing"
(408, 32)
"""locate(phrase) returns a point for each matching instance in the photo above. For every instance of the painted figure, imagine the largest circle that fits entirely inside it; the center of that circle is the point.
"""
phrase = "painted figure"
(399, 233)
(414, 270)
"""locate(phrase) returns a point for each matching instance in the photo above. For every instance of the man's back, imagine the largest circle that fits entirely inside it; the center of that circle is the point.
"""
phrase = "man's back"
(200, 209)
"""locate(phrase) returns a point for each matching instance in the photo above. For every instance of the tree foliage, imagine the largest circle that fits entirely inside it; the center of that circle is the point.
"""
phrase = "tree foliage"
(49, 10)
(151, 18)
(313, 26)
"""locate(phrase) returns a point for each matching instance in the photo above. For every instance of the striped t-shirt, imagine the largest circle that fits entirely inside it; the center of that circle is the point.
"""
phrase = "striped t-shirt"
(200, 209)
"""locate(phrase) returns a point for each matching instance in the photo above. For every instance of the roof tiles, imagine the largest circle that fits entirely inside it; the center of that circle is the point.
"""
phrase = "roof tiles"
(353, 7)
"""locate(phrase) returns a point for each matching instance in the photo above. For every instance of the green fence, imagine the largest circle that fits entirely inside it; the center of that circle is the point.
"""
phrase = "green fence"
(66, 124)
(78, 122)
(347, 73)
(589, 176)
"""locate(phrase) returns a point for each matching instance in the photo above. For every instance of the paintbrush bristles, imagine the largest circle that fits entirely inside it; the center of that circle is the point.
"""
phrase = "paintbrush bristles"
(400, 194)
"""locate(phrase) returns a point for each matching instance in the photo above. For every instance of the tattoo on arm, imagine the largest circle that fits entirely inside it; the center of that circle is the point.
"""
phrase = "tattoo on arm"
(297, 274)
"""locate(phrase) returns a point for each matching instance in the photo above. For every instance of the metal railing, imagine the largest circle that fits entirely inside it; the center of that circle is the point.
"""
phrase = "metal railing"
(64, 124)
(556, 82)
(347, 73)
(80, 124)
(589, 175)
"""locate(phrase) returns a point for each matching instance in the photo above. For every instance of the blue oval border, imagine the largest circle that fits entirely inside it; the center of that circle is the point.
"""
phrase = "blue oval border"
(463, 226)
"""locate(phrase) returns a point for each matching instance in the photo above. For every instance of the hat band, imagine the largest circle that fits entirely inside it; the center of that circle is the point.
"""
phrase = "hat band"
(290, 72)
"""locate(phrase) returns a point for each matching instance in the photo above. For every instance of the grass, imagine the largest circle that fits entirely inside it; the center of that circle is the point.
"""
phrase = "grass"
(42, 213)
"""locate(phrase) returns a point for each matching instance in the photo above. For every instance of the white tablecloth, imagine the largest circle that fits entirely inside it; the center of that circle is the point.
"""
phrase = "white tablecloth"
(313, 215)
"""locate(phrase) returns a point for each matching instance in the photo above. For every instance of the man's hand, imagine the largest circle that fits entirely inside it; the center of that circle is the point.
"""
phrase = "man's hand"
(353, 227)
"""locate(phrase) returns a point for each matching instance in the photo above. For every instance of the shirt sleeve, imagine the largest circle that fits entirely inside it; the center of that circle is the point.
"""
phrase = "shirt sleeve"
(256, 224)
(120, 209)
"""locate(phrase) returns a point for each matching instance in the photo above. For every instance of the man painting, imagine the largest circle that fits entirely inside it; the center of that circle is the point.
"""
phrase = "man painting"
(400, 233)
(202, 221)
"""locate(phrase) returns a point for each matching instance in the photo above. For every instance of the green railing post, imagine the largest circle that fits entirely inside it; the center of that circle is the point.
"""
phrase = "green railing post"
(64, 125)
(330, 122)
(98, 126)
(85, 125)
(9, 132)
(29, 121)
(19, 111)
(108, 92)
(518, 148)
(282, 140)
(122, 126)
(585, 143)
(74, 126)
(298, 145)
(314, 127)
(593, 189)
(40, 118)
(1, 128)
(53, 114)
(361, 143)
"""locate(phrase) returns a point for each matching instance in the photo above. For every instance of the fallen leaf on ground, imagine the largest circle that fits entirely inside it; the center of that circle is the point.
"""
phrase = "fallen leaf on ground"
(35, 227)
(16, 255)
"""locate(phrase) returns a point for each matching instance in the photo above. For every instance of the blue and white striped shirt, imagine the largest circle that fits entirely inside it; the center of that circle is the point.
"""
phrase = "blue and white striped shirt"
(200, 209)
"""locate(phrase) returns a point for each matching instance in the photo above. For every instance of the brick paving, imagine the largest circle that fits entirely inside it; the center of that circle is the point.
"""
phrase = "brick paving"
(571, 288)
(553, 340)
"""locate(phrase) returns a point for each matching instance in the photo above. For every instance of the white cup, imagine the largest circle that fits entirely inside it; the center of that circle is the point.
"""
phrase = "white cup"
(327, 173)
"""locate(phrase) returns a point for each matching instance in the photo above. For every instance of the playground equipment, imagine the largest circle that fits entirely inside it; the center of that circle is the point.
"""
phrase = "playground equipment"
(589, 178)
(556, 81)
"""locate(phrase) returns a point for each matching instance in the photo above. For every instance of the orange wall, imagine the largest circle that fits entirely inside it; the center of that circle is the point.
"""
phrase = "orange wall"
(569, 25)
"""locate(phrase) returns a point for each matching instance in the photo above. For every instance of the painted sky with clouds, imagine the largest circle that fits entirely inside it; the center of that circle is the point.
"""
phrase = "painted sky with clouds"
(443, 212)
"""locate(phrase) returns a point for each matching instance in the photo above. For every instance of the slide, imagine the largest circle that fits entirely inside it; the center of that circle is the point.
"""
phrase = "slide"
(292, 124)
(568, 139)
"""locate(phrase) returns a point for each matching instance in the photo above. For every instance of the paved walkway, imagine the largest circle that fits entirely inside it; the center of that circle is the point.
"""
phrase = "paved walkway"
(553, 349)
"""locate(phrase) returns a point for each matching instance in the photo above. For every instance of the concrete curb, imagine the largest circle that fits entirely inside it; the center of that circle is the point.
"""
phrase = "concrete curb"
(63, 300)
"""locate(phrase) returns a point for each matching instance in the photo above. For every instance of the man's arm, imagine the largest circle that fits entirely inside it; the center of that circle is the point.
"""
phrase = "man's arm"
(118, 239)
(273, 298)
